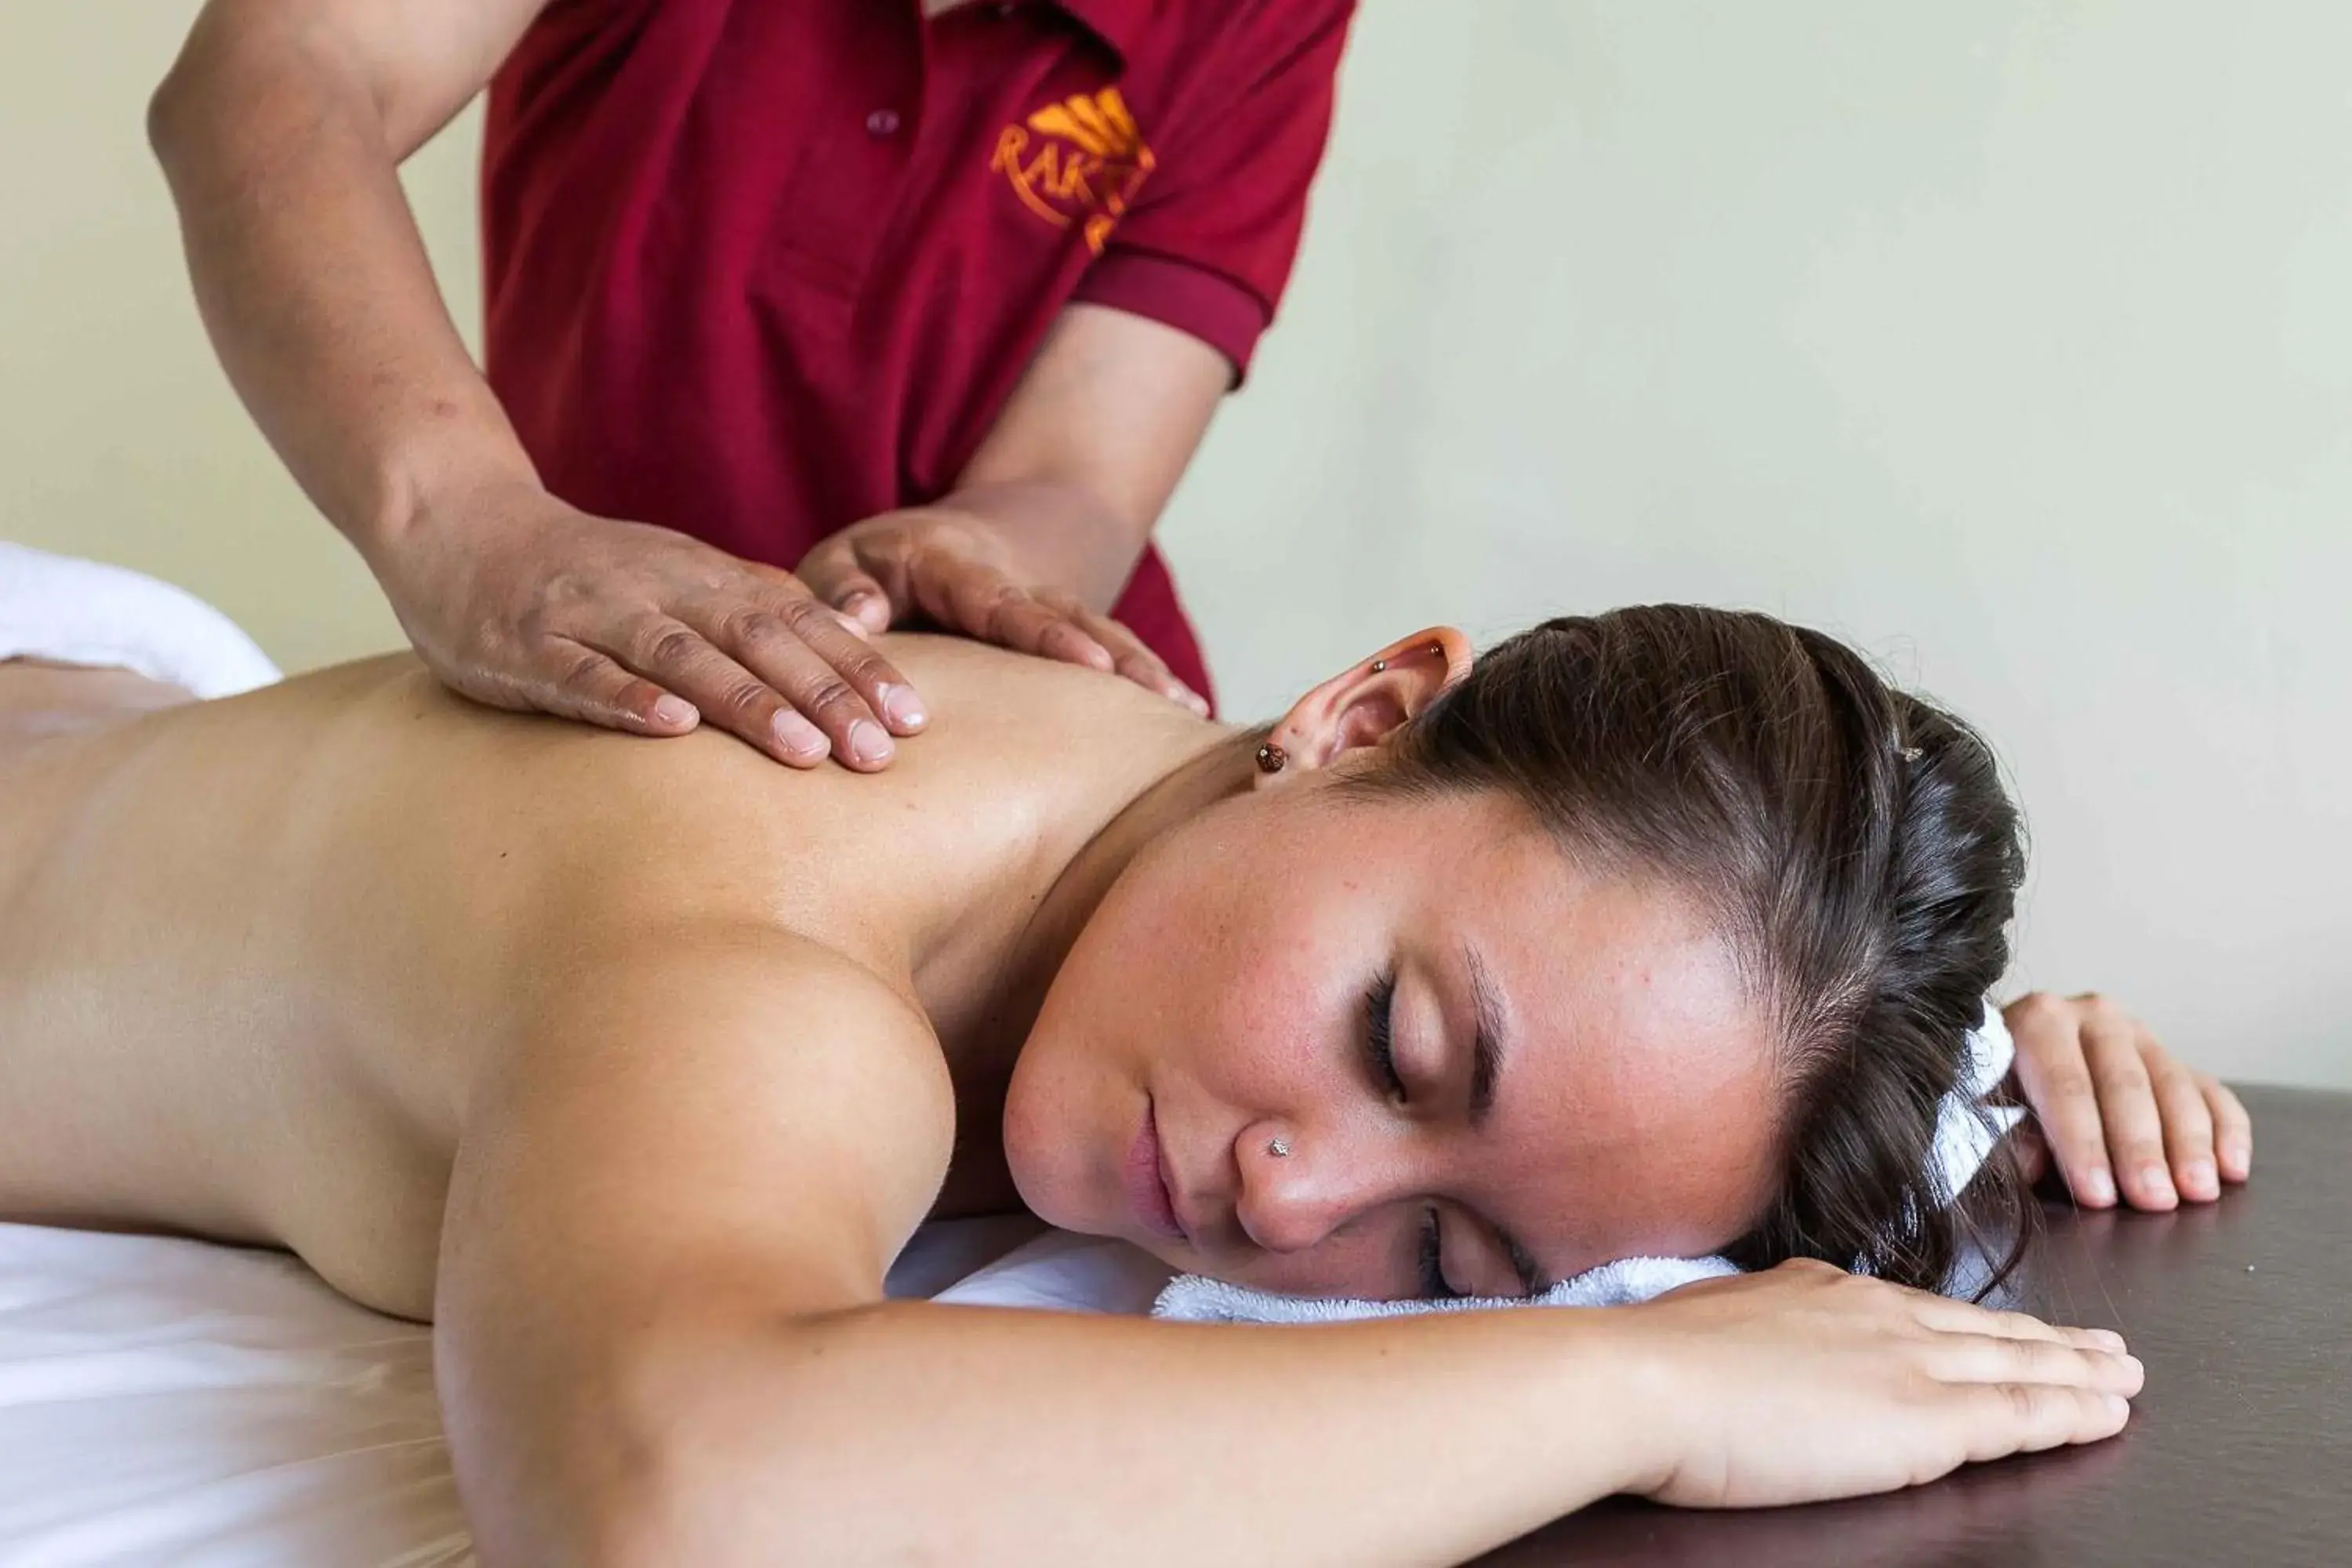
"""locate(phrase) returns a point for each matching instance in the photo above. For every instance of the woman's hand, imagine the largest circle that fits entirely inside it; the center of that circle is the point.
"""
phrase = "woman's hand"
(2106, 1099)
(536, 606)
(1805, 1383)
(938, 564)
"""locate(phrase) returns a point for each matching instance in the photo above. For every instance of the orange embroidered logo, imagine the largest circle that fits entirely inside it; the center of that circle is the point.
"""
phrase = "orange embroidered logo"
(1079, 161)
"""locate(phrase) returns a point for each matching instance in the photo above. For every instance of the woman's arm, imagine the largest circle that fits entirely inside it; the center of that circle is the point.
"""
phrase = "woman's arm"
(662, 1340)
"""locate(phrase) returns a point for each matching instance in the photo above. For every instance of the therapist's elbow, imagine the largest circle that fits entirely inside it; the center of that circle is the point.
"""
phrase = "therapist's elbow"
(250, 80)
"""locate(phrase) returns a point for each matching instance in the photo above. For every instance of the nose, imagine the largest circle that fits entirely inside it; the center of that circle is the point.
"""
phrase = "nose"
(1292, 1201)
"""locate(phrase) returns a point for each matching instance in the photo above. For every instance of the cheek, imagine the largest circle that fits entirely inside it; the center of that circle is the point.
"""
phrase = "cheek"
(1266, 999)
(1648, 1179)
(1225, 957)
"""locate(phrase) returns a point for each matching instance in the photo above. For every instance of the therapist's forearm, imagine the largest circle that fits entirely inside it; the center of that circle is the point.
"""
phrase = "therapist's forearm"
(1059, 532)
(1084, 457)
(313, 281)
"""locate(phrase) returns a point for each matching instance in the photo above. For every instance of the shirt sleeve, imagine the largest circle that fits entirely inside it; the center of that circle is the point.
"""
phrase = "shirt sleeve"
(1207, 243)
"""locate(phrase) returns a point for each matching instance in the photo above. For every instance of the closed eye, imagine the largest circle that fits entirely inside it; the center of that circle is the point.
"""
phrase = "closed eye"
(1434, 1286)
(1379, 1009)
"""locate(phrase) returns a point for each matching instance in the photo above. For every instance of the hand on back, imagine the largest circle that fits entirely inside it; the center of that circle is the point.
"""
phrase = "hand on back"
(542, 607)
(936, 566)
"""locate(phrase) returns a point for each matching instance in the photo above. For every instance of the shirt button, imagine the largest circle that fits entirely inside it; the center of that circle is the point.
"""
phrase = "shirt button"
(882, 123)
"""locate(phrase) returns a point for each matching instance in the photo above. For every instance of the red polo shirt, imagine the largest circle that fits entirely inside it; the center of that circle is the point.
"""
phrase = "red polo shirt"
(759, 269)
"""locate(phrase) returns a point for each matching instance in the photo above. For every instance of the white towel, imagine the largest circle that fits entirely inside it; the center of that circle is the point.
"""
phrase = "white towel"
(1966, 1132)
(70, 610)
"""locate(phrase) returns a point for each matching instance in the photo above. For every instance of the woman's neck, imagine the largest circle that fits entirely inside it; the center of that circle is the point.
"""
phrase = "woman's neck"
(1131, 771)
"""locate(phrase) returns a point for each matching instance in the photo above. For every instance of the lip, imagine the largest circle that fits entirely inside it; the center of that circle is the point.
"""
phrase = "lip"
(1147, 1182)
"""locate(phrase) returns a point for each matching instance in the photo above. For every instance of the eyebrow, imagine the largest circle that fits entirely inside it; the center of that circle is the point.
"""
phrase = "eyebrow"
(1490, 1045)
(1491, 1042)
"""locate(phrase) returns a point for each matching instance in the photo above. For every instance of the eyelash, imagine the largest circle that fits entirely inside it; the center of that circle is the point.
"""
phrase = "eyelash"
(1379, 1005)
(1434, 1286)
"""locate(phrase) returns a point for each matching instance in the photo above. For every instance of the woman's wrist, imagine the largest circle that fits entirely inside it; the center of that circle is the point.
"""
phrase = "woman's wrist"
(1618, 1395)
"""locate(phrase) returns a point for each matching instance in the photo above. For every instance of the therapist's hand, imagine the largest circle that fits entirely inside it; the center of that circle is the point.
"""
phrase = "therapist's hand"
(535, 605)
(958, 572)
(2113, 1110)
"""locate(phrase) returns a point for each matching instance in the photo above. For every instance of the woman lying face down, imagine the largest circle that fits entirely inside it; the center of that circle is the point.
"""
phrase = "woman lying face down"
(1655, 933)
(1658, 934)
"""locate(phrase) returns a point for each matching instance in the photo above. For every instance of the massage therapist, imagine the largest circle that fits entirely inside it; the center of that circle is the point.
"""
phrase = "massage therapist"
(929, 302)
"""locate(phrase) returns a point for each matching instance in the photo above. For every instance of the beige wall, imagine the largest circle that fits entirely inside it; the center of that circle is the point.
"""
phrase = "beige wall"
(2010, 340)
(119, 434)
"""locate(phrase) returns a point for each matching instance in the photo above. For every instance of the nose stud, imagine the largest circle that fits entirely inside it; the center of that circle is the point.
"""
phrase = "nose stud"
(1279, 1148)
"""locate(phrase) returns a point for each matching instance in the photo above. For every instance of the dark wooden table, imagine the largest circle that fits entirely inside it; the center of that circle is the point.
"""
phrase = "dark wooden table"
(2239, 1450)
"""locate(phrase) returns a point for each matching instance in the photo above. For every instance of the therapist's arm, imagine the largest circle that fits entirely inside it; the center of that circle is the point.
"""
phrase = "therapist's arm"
(1047, 521)
(280, 128)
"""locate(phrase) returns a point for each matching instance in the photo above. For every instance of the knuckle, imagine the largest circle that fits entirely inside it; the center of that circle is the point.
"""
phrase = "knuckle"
(750, 626)
(2129, 1080)
(745, 699)
(583, 670)
(535, 622)
(805, 617)
(865, 667)
(2071, 1086)
(2037, 1006)
(995, 593)
(826, 696)
(2033, 1359)
(669, 646)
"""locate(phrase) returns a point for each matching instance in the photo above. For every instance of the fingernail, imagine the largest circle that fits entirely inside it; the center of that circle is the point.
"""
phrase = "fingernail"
(674, 712)
(2200, 1176)
(904, 707)
(2118, 1405)
(2236, 1156)
(868, 743)
(2108, 1338)
(2156, 1179)
(798, 736)
(2098, 1187)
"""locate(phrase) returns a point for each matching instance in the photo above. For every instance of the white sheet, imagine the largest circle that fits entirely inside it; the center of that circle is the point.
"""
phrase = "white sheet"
(167, 1401)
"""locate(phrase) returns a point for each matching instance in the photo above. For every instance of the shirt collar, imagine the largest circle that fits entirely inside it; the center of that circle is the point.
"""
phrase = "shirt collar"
(1119, 23)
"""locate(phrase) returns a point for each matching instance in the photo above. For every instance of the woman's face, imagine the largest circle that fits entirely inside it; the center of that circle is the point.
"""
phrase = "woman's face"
(1576, 1076)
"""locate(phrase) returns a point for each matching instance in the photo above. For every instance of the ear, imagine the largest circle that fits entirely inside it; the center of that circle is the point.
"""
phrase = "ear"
(1369, 702)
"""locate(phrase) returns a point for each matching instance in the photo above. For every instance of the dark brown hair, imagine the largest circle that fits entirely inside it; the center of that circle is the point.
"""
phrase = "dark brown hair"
(1853, 840)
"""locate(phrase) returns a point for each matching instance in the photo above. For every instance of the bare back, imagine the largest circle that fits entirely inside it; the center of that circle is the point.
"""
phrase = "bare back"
(254, 953)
